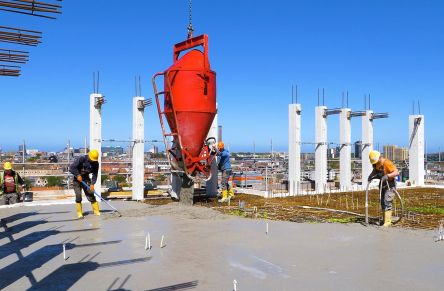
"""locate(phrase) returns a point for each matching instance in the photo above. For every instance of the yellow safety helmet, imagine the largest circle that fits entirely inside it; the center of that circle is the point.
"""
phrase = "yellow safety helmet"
(220, 145)
(374, 157)
(93, 155)
(7, 166)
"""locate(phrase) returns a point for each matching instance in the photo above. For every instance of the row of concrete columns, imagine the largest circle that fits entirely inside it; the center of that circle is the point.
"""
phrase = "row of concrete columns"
(416, 148)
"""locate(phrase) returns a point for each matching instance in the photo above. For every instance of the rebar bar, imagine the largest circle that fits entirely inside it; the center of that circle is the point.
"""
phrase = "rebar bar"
(13, 56)
(31, 7)
(20, 36)
(10, 71)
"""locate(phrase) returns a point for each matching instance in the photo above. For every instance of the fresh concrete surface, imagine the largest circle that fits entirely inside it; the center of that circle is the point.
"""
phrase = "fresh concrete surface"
(205, 250)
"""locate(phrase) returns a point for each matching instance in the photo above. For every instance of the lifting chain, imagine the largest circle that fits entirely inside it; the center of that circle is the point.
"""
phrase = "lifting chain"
(190, 24)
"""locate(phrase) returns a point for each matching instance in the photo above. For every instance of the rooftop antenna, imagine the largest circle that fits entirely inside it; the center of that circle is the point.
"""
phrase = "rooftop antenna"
(323, 96)
(296, 93)
(318, 96)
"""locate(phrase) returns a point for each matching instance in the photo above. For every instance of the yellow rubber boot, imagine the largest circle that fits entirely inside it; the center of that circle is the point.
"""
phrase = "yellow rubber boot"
(387, 218)
(224, 196)
(95, 207)
(79, 210)
(230, 193)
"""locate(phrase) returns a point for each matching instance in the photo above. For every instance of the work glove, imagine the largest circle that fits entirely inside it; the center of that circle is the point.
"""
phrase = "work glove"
(79, 178)
(384, 178)
(370, 178)
(91, 188)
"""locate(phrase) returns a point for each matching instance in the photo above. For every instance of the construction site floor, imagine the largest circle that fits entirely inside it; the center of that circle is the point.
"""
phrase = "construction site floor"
(207, 250)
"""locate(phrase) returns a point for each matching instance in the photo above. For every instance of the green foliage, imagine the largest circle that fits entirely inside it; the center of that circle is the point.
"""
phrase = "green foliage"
(238, 212)
(428, 209)
(341, 220)
(160, 177)
(28, 183)
(105, 178)
(119, 178)
(157, 156)
(54, 181)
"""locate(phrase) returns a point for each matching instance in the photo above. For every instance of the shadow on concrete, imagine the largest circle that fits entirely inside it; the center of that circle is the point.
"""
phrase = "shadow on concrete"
(120, 288)
(22, 215)
(182, 286)
(21, 227)
(15, 245)
(25, 265)
(99, 243)
(19, 216)
(67, 275)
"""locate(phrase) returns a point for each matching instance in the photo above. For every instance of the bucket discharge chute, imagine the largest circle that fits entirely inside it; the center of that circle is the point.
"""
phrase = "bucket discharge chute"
(188, 104)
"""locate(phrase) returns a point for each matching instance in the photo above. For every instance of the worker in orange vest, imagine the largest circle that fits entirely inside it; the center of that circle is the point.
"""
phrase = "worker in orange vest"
(386, 171)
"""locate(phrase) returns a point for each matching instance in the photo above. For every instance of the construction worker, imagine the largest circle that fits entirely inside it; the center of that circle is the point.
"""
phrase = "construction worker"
(11, 185)
(386, 171)
(224, 165)
(81, 168)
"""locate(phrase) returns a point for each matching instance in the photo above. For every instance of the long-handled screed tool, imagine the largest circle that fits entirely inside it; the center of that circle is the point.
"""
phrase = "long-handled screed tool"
(101, 198)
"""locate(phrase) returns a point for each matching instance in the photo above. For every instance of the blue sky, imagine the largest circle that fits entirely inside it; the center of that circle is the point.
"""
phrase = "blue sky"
(393, 50)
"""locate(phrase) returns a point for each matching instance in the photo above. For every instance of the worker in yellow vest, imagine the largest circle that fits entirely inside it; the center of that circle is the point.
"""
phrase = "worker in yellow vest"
(11, 185)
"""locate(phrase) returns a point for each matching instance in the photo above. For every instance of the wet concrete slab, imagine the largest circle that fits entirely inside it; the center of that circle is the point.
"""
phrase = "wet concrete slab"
(205, 250)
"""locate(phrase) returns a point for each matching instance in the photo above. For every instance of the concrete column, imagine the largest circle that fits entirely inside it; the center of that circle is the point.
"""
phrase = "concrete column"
(345, 144)
(321, 149)
(294, 148)
(211, 185)
(95, 132)
(138, 171)
(367, 145)
(416, 150)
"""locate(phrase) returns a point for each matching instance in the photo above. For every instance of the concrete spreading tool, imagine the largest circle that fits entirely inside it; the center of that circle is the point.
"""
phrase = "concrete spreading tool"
(101, 198)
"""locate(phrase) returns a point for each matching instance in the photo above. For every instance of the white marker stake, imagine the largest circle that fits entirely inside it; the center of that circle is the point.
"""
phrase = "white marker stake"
(161, 241)
(146, 242)
(64, 252)
(234, 285)
(149, 241)
(266, 231)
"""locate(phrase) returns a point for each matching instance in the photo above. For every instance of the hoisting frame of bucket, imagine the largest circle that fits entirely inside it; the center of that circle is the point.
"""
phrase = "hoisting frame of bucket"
(178, 155)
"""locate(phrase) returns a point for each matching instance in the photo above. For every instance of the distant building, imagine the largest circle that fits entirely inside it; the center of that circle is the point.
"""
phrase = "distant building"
(358, 149)
(307, 156)
(332, 153)
(112, 151)
(22, 149)
(154, 149)
(395, 153)
(32, 152)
